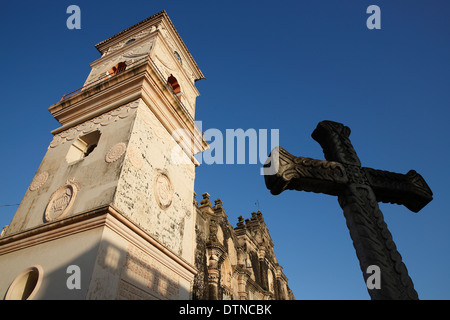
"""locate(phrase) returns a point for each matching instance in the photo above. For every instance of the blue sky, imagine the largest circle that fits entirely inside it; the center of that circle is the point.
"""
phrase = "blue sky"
(269, 65)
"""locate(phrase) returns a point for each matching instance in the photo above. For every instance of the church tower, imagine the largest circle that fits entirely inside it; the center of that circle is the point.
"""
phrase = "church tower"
(109, 213)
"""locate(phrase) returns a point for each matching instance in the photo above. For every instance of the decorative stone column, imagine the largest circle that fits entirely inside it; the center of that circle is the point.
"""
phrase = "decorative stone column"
(278, 284)
(213, 284)
(242, 284)
(263, 267)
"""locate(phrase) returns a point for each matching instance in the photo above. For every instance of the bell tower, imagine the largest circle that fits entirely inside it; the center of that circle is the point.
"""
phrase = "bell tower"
(109, 213)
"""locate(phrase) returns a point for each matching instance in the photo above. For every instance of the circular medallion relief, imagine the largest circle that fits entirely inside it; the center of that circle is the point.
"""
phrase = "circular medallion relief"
(60, 202)
(163, 190)
(153, 122)
(38, 181)
(115, 152)
(135, 157)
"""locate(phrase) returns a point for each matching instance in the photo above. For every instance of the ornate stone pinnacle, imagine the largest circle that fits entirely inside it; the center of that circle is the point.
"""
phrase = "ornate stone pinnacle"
(205, 201)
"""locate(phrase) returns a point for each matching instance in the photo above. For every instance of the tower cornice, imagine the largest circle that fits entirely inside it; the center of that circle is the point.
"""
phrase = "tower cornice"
(141, 81)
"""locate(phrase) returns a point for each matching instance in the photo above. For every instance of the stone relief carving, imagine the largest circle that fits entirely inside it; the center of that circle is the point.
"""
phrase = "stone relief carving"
(61, 201)
(132, 54)
(135, 157)
(163, 190)
(94, 124)
(168, 38)
(119, 45)
(150, 119)
(115, 152)
(38, 181)
(165, 62)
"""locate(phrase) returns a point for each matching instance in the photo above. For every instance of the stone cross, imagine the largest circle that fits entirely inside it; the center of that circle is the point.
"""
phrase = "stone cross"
(358, 190)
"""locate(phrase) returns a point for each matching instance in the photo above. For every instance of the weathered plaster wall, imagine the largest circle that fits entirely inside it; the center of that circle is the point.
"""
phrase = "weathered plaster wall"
(54, 257)
(130, 268)
(154, 191)
(94, 178)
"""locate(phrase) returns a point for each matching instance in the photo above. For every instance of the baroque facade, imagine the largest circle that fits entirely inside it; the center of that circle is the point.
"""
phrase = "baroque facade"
(235, 263)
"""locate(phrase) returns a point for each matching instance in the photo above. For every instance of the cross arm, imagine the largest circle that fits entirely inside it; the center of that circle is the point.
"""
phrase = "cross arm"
(303, 174)
(409, 189)
(334, 139)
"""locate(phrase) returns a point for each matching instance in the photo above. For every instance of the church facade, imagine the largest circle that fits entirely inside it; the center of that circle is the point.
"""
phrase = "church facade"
(110, 212)
(235, 263)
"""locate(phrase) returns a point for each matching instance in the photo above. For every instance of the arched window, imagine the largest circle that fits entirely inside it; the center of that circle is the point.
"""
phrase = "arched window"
(173, 84)
(82, 147)
(118, 68)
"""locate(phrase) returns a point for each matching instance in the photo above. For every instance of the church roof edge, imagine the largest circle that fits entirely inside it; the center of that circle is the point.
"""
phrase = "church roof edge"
(156, 15)
(164, 14)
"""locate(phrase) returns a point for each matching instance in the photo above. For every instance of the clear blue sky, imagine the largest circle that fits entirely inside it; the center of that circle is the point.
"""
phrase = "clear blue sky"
(269, 65)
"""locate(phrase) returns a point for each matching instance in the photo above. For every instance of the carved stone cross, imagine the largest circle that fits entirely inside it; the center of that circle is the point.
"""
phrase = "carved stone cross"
(359, 190)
